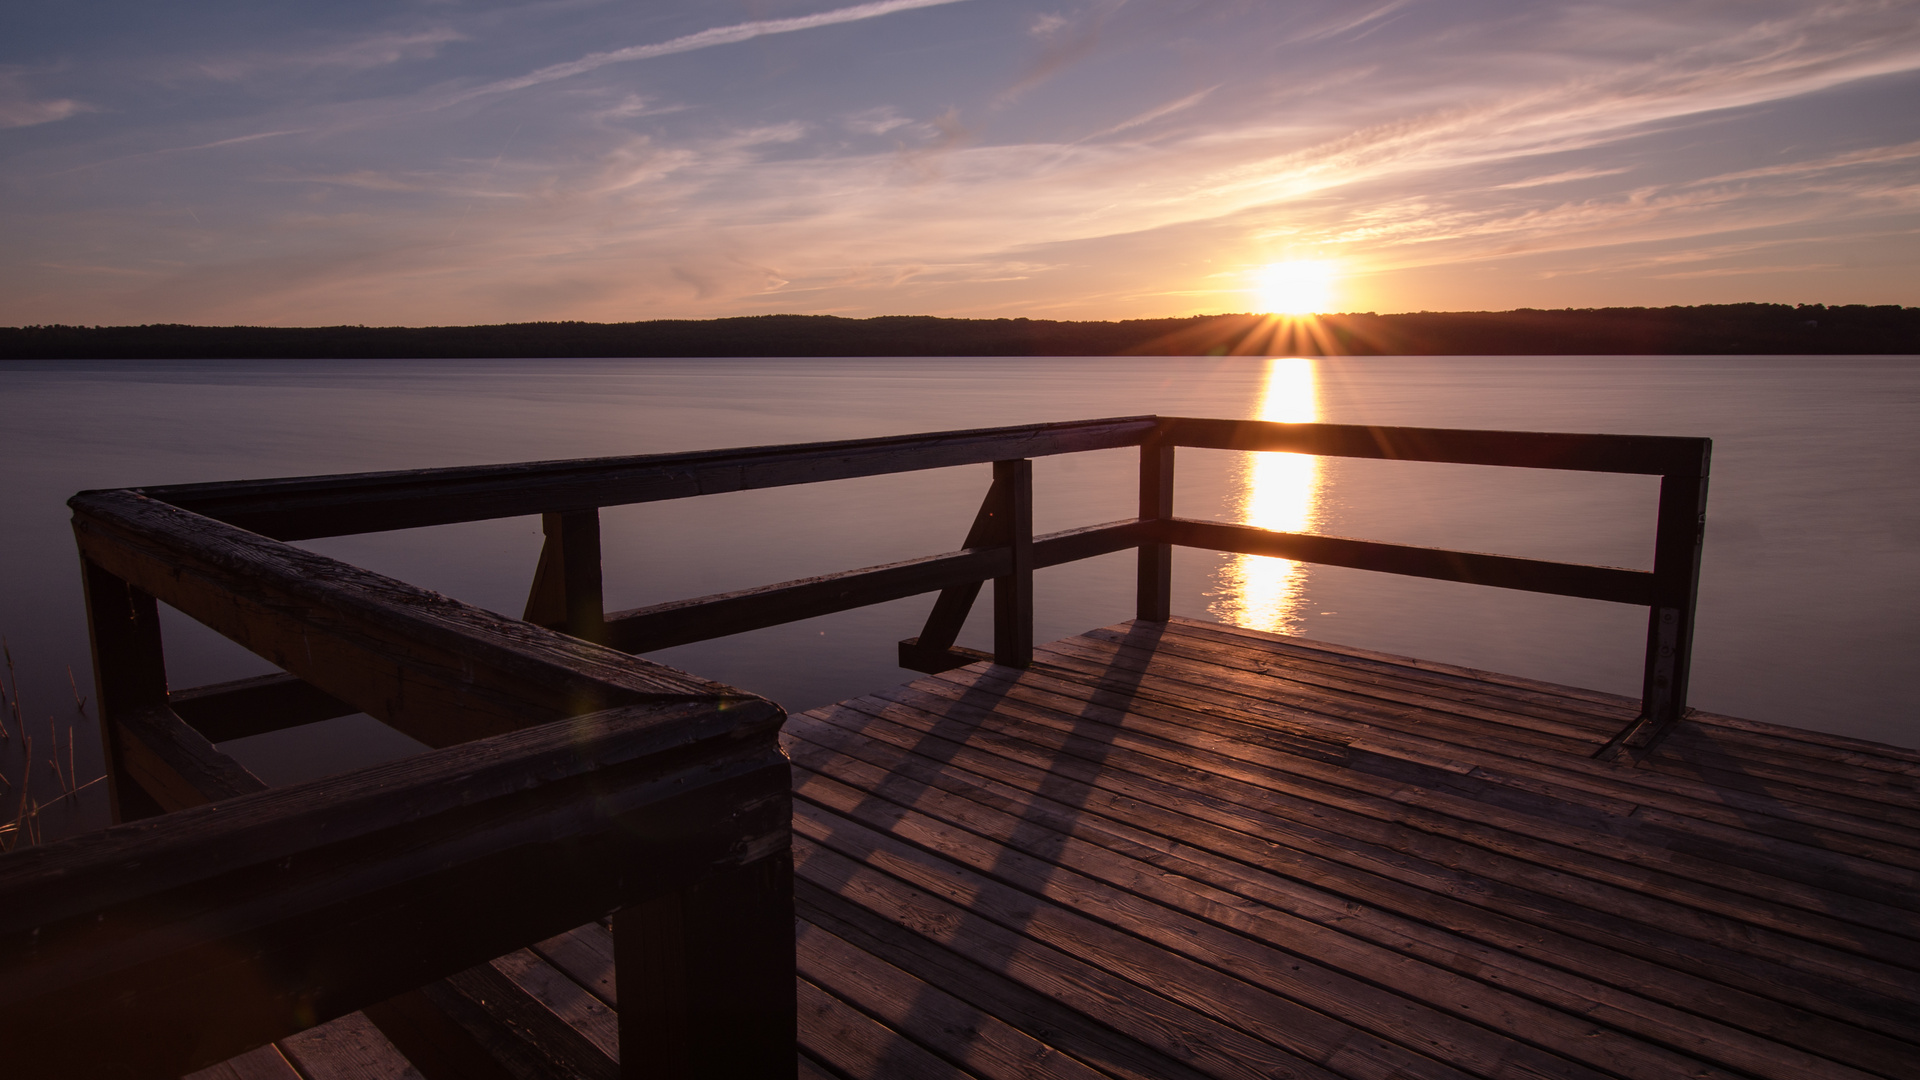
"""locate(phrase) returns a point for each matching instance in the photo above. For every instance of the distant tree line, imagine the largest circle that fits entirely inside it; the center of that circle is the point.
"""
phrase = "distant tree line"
(1715, 329)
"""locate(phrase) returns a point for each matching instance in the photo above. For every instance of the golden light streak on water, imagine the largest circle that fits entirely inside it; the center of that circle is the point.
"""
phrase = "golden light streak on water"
(1277, 491)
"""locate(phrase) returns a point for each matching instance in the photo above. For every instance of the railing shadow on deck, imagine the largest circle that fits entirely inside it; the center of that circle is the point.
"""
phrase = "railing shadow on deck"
(199, 913)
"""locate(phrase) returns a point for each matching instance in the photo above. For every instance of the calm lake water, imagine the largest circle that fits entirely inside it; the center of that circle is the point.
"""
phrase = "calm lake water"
(1807, 607)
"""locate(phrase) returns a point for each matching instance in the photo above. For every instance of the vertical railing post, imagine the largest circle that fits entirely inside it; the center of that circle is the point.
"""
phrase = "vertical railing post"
(566, 593)
(129, 673)
(1013, 594)
(1156, 507)
(705, 978)
(1676, 589)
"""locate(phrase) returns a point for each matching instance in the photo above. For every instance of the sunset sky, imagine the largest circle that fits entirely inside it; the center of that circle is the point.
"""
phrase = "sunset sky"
(441, 161)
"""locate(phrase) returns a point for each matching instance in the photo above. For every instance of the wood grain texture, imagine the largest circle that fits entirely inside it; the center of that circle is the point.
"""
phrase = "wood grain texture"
(439, 670)
(349, 1048)
(1254, 855)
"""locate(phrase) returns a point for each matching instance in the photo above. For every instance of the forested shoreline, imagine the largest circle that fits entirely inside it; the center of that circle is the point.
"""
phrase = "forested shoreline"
(1716, 329)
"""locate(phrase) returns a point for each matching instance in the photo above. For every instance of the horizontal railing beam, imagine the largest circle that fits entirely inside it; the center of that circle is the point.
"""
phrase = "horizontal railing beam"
(1642, 454)
(681, 622)
(306, 507)
(255, 706)
(162, 946)
(1500, 571)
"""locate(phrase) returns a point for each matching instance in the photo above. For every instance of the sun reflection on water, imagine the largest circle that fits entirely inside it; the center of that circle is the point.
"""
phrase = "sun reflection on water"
(1277, 491)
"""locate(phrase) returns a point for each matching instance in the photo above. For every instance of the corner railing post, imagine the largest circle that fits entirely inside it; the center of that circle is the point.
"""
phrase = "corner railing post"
(1676, 588)
(1156, 507)
(706, 978)
(129, 674)
(1013, 594)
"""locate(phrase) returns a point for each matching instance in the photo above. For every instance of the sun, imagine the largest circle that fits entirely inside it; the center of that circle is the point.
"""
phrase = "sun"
(1296, 287)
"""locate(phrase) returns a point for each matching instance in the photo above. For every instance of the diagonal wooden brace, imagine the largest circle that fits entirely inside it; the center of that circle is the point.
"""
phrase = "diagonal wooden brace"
(933, 651)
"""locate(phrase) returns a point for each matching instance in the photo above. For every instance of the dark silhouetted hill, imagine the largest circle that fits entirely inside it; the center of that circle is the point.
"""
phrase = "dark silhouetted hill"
(1718, 329)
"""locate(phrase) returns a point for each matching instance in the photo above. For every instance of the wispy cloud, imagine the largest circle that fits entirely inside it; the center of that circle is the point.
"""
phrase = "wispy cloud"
(1879, 155)
(706, 39)
(19, 107)
(1566, 177)
(360, 54)
(1157, 113)
(1349, 23)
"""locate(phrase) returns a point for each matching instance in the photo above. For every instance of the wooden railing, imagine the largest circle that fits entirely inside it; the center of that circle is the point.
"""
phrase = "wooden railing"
(1001, 546)
(569, 782)
(449, 674)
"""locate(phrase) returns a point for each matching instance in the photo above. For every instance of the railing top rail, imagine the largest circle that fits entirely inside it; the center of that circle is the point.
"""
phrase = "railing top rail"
(296, 508)
(1645, 454)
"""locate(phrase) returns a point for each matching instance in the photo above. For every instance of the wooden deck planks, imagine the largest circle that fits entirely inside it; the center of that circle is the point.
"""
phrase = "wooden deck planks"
(1181, 850)
(1208, 840)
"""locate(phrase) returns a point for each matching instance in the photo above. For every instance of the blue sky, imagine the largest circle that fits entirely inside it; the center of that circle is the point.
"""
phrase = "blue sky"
(442, 161)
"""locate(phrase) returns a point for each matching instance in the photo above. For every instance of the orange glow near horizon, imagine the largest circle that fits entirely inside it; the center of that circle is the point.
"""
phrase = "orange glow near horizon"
(1278, 491)
(1296, 287)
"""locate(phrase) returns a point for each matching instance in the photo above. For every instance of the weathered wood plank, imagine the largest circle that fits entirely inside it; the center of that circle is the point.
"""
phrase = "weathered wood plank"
(1499, 571)
(264, 1063)
(1580, 719)
(1115, 1047)
(978, 1041)
(349, 1048)
(565, 998)
(585, 953)
(1337, 696)
(855, 1045)
(301, 508)
(1167, 1022)
(518, 1029)
(1453, 674)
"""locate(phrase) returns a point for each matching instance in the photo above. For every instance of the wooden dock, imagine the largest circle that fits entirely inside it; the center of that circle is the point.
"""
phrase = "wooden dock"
(1163, 850)
(1183, 850)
